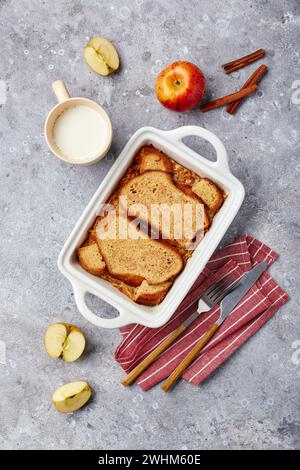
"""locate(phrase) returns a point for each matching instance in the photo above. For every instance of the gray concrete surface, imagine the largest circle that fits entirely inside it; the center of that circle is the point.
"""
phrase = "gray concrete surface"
(252, 401)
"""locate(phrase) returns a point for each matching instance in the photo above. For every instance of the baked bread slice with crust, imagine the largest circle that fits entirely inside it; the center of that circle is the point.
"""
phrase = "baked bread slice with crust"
(90, 258)
(151, 158)
(177, 214)
(131, 255)
(144, 294)
(210, 194)
(149, 294)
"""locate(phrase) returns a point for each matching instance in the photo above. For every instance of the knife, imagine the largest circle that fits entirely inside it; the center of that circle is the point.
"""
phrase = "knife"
(227, 305)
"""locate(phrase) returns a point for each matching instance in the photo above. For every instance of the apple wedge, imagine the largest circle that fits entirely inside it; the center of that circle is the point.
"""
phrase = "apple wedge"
(72, 396)
(101, 56)
(65, 341)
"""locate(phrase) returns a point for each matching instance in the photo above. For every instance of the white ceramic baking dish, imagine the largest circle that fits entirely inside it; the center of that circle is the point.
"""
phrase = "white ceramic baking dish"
(171, 143)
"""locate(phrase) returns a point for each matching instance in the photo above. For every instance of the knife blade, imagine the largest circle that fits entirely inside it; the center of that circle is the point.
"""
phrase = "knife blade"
(232, 299)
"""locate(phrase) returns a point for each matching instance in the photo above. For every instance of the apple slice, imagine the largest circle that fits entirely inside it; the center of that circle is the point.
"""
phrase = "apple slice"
(72, 396)
(101, 56)
(55, 337)
(95, 61)
(64, 341)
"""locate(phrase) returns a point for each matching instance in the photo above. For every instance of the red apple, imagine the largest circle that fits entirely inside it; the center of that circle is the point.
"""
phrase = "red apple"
(180, 86)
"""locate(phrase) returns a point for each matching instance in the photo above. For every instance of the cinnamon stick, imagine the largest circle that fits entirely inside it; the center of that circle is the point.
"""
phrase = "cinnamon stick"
(252, 80)
(237, 64)
(228, 98)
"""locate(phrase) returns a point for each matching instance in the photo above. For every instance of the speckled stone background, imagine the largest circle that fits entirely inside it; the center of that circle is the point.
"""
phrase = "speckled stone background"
(252, 401)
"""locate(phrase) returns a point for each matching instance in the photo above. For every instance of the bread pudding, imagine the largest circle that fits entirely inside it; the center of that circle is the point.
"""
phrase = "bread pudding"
(144, 264)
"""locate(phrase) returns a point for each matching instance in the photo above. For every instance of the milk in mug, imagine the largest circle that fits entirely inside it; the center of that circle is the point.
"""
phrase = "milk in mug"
(80, 132)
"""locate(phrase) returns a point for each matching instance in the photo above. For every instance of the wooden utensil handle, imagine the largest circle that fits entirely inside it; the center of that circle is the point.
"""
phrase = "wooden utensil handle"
(177, 373)
(134, 374)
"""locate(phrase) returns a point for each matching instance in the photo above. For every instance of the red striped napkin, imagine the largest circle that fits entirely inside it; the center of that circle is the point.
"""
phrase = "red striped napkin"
(257, 307)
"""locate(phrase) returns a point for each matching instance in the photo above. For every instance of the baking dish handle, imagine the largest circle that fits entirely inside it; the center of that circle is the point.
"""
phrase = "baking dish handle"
(186, 131)
(123, 319)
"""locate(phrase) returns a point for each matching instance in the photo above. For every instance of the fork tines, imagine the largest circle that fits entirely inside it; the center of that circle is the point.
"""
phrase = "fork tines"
(218, 291)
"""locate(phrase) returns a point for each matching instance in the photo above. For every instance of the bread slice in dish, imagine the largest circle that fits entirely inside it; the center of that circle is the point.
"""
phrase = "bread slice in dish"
(152, 196)
(182, 175)
(90, 258)
(150, 158)
(145, 294)
(209, 193)
(131, 255)
(151, 295)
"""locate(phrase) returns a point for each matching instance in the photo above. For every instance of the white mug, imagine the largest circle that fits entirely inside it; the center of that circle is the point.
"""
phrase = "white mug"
(66, 102)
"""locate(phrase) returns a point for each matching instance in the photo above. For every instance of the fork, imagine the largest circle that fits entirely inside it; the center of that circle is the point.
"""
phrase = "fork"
(216, 293)
(211, 297)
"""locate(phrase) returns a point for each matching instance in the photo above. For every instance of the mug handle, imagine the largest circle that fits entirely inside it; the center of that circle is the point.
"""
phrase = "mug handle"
(60, 91)
(222, 160)
(124, 318)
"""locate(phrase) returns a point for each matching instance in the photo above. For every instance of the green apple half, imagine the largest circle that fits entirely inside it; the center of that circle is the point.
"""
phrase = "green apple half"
(65, 341)
(71, 396)
(101, 56)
